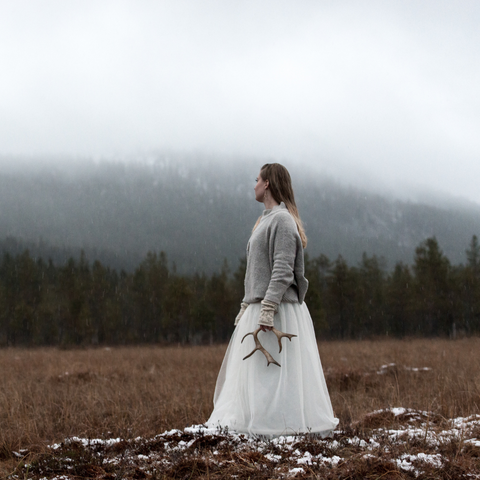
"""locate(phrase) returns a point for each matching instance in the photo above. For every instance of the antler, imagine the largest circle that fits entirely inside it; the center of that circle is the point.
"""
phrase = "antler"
(258, 345)
(280, 335)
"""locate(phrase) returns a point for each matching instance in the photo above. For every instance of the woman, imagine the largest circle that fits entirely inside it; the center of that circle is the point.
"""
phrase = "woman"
(251, 396)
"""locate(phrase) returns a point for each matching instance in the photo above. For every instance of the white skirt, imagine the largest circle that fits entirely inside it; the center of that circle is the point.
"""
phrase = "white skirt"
(271, 401)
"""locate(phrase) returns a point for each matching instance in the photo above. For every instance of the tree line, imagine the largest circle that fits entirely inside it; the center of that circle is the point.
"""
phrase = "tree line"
(79, 303)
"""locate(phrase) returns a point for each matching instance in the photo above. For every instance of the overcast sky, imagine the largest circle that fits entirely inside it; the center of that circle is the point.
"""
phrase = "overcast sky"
(387, 90)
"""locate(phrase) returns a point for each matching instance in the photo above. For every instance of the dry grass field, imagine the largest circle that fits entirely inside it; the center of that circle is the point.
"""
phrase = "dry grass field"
(48, 395)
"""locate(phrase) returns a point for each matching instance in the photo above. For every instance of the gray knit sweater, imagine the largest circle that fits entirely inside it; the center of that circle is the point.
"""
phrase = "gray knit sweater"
(275, 267)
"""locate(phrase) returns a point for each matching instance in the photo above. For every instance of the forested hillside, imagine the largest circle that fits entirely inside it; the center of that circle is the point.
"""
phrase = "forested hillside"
(201, 212)
(163, 255)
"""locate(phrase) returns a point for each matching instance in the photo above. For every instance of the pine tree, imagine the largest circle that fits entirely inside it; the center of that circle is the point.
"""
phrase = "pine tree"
(224, 302)
(433, 299)
(316, 271)
(370, 297)
(471, 290)
(399, 299)
(342, 282)
(150, 292)
(473, 256)
(178, 310)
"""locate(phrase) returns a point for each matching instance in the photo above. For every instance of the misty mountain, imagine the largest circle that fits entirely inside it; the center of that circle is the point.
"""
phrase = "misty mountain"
(201, 212)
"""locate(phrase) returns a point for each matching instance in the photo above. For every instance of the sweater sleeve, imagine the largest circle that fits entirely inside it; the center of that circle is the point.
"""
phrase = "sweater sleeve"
(283, 246)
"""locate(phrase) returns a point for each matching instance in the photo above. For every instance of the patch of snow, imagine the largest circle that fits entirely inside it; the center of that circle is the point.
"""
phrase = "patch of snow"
(202, 429)
(384, 368)
(404, 465)
(294, 471)
(306, 459)
(333, 460)
(405, 462)
(388, 365)
(433, 459)
(59, 477)
(87, 442)
(473, 441)
(273, 458)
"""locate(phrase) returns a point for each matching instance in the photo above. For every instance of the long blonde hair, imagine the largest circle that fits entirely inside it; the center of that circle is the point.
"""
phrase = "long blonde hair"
(280, 184)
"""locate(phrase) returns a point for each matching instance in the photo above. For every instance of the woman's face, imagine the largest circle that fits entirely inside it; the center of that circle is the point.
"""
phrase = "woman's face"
(260, 188)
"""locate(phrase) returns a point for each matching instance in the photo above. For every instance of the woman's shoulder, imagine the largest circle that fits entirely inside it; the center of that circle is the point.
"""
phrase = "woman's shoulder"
(283, 219)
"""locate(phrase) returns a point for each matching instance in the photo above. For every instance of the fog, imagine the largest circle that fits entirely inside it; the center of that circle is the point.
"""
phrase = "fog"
(373, 92)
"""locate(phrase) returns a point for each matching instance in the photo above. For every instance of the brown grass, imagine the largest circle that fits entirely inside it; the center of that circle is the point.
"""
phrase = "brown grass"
(47, 395)
(451, 388)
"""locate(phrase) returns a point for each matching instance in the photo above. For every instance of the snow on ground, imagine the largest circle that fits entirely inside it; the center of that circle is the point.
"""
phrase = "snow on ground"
(409, 443)
(384, 369)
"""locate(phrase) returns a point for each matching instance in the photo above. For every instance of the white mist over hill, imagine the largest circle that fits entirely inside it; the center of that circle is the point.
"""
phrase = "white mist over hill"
(373, 93)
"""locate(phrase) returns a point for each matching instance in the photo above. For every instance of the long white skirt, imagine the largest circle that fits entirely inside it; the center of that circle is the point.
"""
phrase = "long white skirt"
(271, 401)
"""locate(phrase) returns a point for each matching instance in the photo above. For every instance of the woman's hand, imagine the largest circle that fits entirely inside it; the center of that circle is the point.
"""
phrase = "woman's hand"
(267, 313)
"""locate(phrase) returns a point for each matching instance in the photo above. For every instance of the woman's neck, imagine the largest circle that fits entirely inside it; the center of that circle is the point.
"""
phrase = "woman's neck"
(270, 203)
